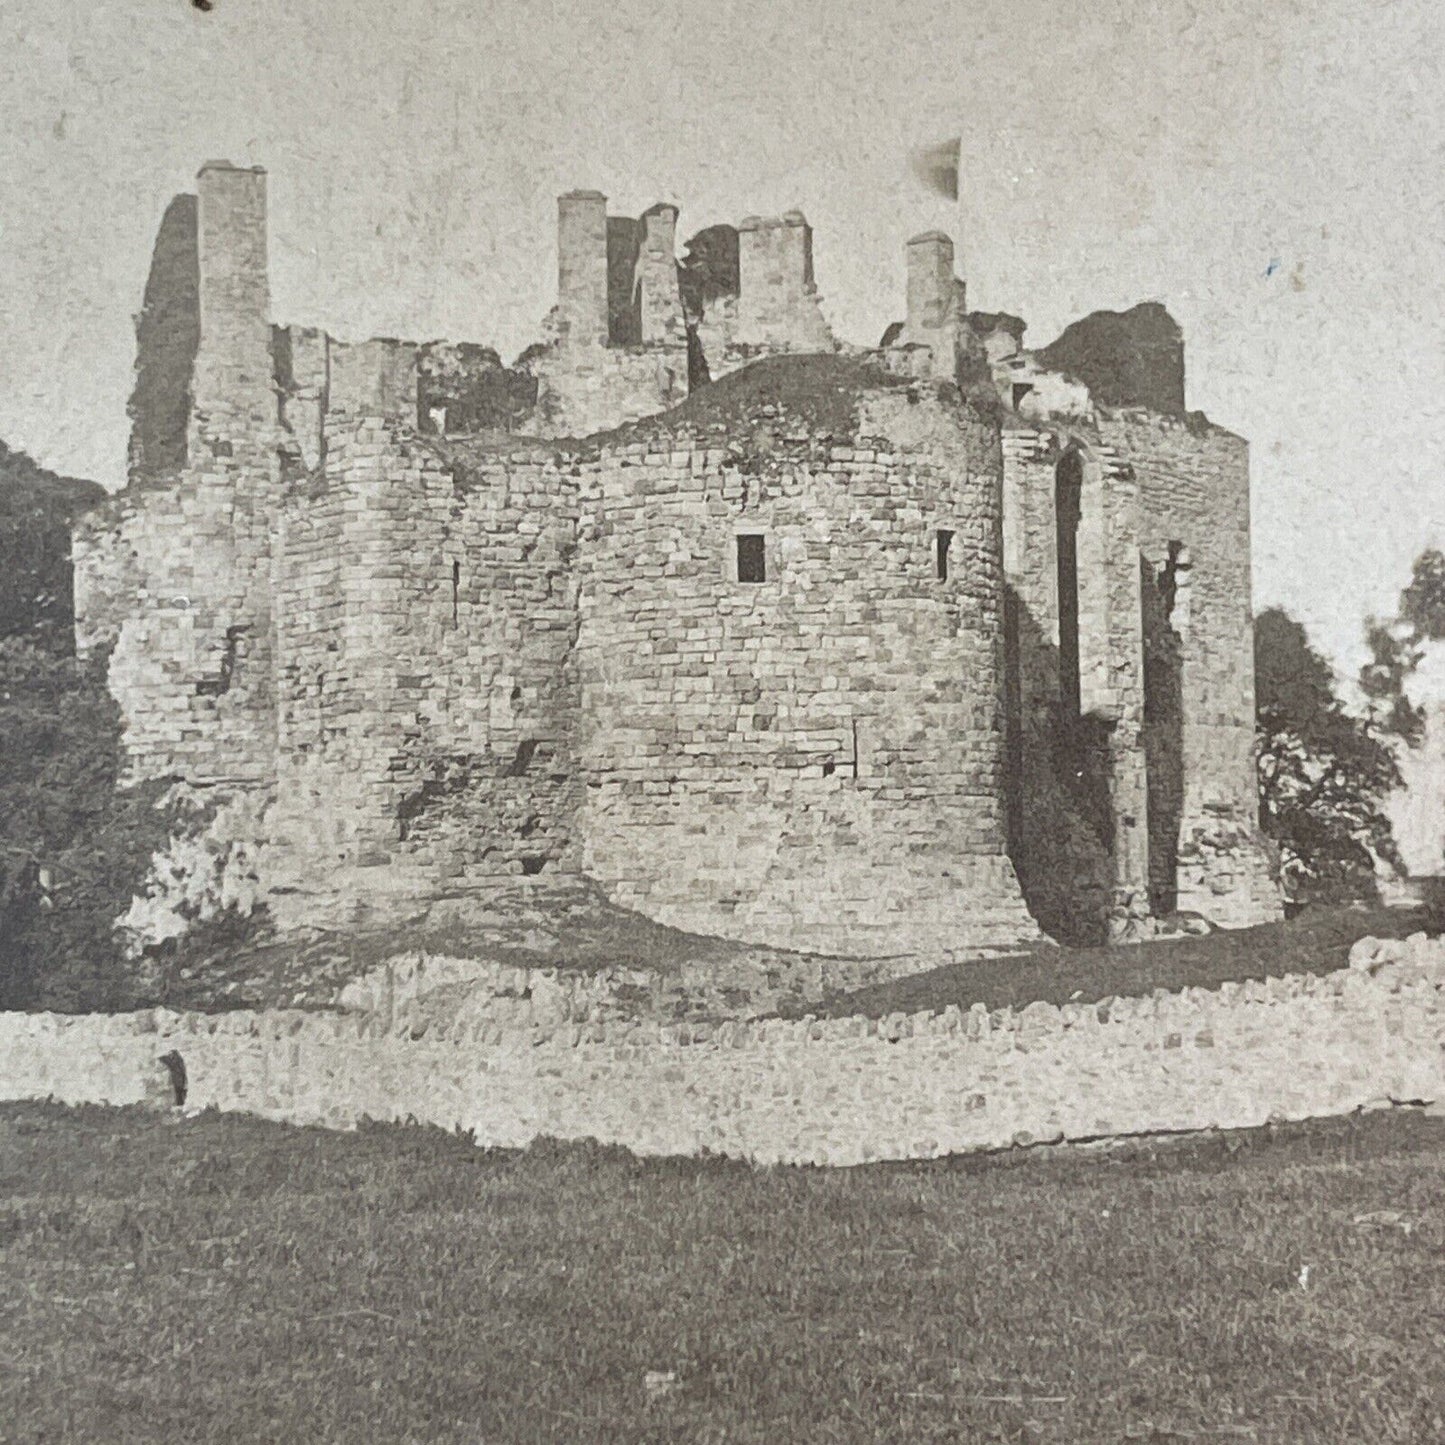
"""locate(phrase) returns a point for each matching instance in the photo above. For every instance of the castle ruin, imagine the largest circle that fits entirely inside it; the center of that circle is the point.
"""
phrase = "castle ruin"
(930, 646)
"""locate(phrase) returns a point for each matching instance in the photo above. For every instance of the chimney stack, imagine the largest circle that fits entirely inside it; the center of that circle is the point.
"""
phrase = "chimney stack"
(234, 367)
(657, 277)
(582, 267)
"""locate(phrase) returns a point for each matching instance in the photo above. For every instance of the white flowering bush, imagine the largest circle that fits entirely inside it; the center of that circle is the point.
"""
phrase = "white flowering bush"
(212, 866)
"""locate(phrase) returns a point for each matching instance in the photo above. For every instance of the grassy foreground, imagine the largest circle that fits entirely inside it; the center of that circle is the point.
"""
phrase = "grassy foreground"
(224, 1279)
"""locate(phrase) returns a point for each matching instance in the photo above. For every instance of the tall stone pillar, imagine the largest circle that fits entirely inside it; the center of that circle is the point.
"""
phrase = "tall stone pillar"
(777, 300)
(582, 267)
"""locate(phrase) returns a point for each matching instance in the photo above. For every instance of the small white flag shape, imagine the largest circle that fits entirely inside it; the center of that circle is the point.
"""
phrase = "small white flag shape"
(937, 167)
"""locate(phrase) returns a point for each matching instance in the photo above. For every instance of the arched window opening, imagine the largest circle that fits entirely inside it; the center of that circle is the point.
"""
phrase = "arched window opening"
(942, 541)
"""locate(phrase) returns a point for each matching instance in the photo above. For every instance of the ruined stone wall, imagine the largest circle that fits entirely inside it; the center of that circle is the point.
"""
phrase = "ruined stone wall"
(616, 348)
(302, 361)
(176, 583)
(439, 731)
(375, 378)
(835, 1092)
(337, 594)
(583, 390)
(1148, 800)
(427, 699)
(776, 310)
(175, 577)
(1193, 488)
(813, 759)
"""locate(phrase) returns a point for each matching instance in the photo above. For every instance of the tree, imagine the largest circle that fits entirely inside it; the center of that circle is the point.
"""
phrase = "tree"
(1323, 772)
(36, 509)
(1397, 647)
(74, 845)
(1422, 603)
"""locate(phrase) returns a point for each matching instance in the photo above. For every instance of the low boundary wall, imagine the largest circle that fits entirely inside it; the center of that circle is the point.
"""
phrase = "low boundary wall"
(839, 1091)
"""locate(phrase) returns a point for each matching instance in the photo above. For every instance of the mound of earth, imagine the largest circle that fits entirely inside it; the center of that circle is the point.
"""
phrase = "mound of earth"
(452, 955)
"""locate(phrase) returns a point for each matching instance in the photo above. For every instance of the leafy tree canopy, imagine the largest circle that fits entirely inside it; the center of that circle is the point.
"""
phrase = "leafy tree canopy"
(1323, 772)
(36, 510)
(74, 845)
(1397, 647)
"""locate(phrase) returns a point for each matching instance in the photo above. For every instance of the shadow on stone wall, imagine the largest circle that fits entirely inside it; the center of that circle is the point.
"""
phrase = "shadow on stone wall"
(168, 335)
(1058, 808)
(624, 310)
(1163, 735)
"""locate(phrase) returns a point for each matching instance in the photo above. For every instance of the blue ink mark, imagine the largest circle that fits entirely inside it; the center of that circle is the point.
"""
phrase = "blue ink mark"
(1274, 265)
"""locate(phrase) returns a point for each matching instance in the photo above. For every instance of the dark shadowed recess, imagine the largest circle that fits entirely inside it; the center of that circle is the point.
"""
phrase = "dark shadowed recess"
(624, 310)
(709, 268)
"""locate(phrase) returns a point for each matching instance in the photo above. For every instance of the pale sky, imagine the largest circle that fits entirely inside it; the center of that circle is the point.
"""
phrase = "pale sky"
(1269, 169)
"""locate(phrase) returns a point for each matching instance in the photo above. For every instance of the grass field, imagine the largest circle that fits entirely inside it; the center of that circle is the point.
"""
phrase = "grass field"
(224, 1279)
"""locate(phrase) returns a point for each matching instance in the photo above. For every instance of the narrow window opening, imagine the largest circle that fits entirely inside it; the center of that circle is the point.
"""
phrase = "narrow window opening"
(1020, 390)
(829, 767)
(456, 590)
(752, 558)
(523, 759)
(942, 541)
(175, 1067)
(855, 750)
